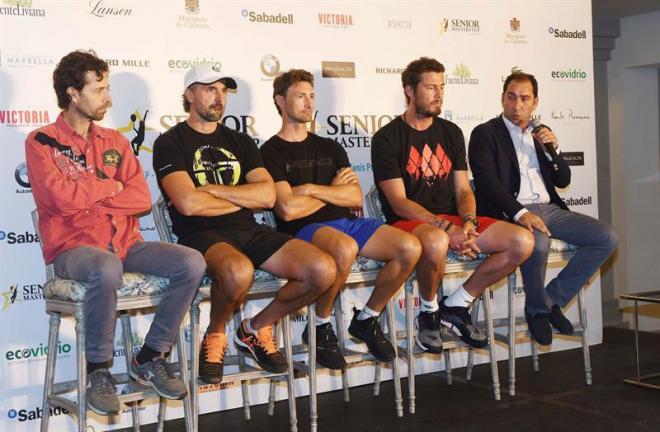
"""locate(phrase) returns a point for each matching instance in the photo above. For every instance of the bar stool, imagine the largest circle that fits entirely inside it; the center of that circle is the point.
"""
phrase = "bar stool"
(66, 297)
(514, 328)
(265, 285)
(455, 265)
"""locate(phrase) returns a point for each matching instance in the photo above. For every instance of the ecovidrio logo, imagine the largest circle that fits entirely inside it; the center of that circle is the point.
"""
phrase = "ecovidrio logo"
(34, 353)
(569, 74)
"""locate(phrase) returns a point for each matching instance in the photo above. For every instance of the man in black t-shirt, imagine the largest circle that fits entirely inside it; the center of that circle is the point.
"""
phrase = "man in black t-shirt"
(316, 188)
(420, 170)
(212, 179)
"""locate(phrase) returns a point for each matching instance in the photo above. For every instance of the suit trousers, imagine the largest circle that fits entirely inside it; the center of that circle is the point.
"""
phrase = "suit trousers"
(595, 240)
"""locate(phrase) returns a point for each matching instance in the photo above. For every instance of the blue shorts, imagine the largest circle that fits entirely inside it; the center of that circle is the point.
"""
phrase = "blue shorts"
(359, 229)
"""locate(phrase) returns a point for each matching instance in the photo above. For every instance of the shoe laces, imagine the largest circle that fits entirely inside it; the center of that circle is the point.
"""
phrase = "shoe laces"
(325, 333)
(216, 346)
(103, 382)
(266, 340)
(162, 369)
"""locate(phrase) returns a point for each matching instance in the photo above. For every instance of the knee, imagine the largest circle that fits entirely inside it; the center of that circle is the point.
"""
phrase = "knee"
(192, 264)
(322, 273)
(345, 254)
(522, 245)
(541, 244)
(609, 238)
(434, 245)
(108, 272)
(233, 278)
(409, 250)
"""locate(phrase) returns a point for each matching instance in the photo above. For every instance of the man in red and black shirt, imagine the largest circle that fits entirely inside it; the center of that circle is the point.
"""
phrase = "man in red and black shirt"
(90, 189)
(420, 170)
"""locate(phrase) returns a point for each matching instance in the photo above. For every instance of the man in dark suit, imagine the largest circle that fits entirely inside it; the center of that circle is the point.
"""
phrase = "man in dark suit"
(515, 177)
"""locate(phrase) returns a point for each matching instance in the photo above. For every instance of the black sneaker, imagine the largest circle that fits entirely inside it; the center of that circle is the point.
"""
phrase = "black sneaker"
(212, 357)
(101, 393)
(369, 332)
(560, 322)
(428, 332)
(458, 320)
(159, 374)
(328, 353)
(261, 347)
(539, 327)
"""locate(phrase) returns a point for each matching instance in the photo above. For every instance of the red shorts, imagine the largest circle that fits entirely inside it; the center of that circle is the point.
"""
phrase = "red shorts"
(410, 225)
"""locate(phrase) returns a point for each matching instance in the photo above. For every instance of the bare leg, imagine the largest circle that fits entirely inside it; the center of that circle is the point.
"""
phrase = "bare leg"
(431, 265)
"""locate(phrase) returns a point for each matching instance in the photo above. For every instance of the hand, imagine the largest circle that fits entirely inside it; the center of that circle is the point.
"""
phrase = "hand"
(120, 185)
(303, 189)
(463, 243)
(531, 221)
(546, 136)
(470, 229)
(345, 175)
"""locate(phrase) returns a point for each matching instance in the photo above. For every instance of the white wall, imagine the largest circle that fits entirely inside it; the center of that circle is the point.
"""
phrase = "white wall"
(634, 156)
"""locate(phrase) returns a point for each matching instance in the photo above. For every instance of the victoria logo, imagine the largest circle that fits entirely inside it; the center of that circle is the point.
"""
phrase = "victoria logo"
(23, 118)
(267, 18)
(21, 8)
(335, 20)
(269, 65)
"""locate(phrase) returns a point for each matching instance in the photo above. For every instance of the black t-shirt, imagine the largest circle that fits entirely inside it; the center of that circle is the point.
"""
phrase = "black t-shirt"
(314, 160)
(424, 160)
(222, 157)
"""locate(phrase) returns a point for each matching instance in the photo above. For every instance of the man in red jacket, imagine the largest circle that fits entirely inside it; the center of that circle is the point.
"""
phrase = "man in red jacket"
(90, 189)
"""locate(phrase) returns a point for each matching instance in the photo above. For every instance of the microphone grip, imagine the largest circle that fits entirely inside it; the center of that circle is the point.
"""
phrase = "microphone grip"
(548, 146)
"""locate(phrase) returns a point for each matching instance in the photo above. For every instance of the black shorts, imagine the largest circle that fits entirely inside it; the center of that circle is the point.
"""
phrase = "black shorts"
(258, 242)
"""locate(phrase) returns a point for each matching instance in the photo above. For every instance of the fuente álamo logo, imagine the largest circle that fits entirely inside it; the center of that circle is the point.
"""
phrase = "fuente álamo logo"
(267, 18)
(35, 353)
(567, 34)
(571, 74)
(36, 413)
(18, 238)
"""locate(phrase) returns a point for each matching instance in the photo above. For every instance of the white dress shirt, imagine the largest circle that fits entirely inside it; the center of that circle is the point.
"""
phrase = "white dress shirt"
(532, 189)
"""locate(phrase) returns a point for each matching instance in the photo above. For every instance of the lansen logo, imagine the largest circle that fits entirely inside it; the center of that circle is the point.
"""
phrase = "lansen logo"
(569, 75)
(335, 20)
(21, 8)
(99, 8)
(24, 118)
(337, 69)
(567, 34)
(267, 18)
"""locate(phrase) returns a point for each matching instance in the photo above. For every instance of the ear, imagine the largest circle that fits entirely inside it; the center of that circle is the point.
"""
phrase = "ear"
(188, 94)
(73, 94)
(279, 100)
(409, 91)
(536, 102)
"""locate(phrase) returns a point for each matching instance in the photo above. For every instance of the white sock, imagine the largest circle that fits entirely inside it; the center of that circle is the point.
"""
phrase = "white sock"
(320, 321)
(367, 313)
(248, 327)
(429, 305)
(460, 298)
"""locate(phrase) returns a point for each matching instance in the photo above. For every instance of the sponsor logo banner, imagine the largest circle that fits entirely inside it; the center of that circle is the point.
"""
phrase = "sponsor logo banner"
(515, 35)
(12, 238)
(192, 19)
(338, 69)
(461, 75)
(578, 201)
(386, 70)
(20, 293)
(104, 8)
(567, 34)
(36, 413)
(22, 179)
(22, 8)
(573, 158)
(350, 130)
(399, 24)
(335, 20)
(269, 66)
(24, 117)
(463, 25)
(25, 60)
(570, 74)
(267, 18)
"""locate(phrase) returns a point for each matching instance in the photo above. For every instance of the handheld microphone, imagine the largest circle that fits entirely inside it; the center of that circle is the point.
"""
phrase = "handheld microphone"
(537, 126)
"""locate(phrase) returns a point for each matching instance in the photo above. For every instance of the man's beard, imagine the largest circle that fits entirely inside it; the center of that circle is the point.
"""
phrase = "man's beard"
(210, 116)
(425, 111)
(96, 115)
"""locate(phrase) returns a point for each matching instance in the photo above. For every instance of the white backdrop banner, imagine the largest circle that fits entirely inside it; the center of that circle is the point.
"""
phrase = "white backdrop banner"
(356, 51)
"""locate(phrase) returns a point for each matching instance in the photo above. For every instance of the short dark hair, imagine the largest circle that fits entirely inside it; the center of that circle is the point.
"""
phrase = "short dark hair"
(412, 74)
(71, 71)
(285, 80)
(520, 76)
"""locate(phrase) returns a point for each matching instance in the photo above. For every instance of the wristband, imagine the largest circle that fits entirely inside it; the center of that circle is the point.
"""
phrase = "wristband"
(446, 228)
(470, 217)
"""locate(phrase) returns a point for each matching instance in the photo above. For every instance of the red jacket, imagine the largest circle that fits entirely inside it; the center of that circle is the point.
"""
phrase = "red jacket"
(74, 184)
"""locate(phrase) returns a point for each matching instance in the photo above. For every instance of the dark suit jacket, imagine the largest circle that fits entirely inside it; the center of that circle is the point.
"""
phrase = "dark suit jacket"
(496, 172)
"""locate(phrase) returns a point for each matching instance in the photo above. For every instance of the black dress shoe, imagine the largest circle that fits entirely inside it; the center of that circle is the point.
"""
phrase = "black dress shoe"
(539, 327)
(560, 322)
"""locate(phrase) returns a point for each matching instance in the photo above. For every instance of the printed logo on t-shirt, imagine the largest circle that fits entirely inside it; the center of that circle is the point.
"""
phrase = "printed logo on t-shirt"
(428, 165)
(111, 158)
(216, 166)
